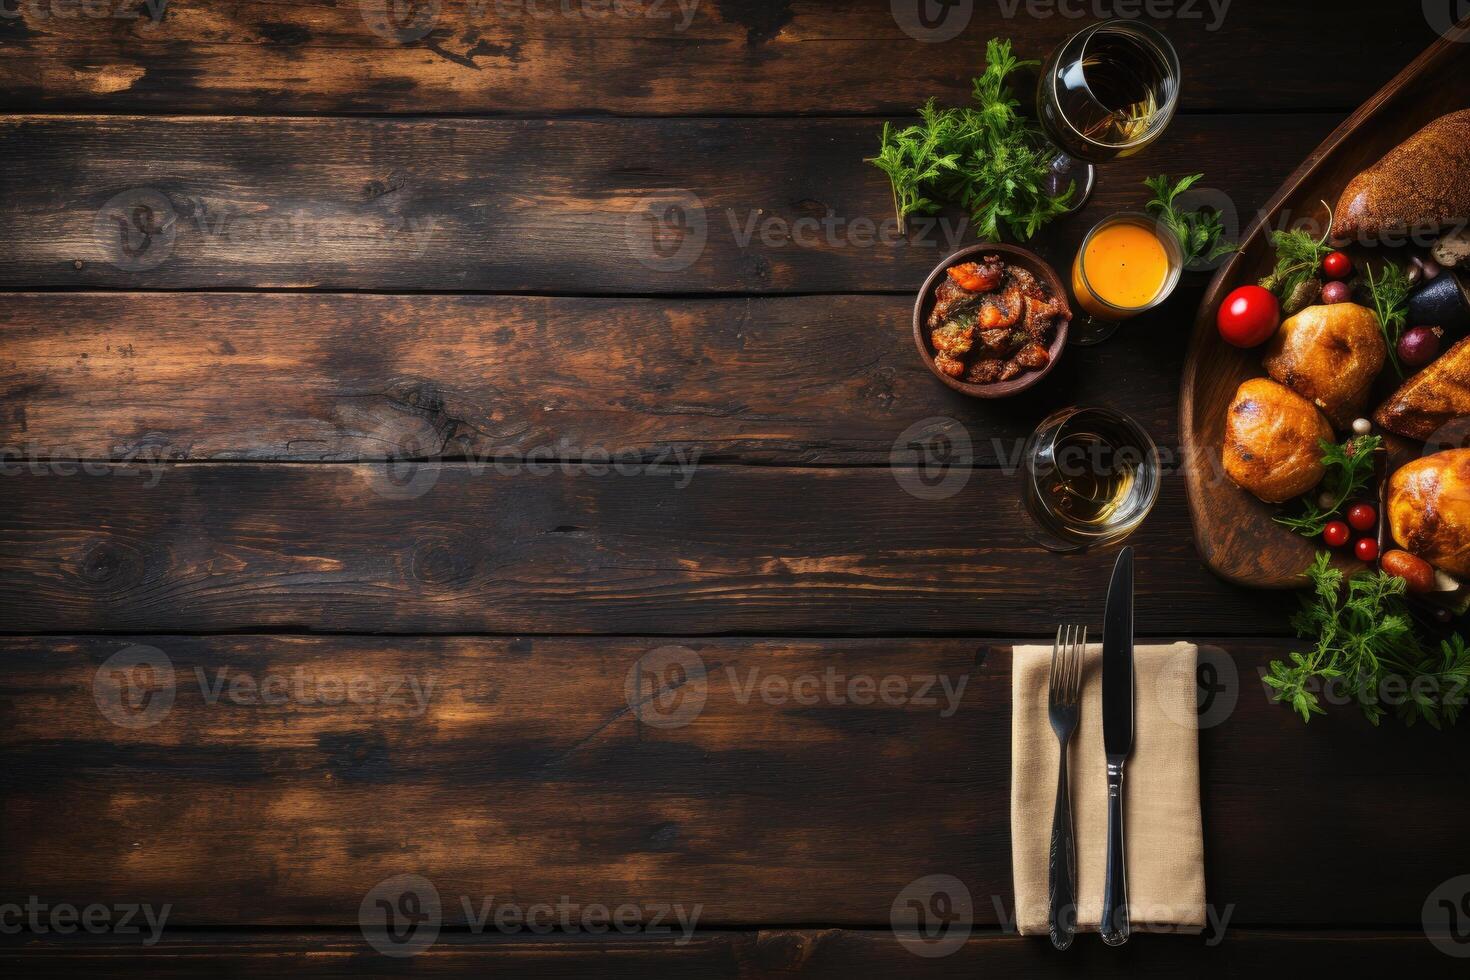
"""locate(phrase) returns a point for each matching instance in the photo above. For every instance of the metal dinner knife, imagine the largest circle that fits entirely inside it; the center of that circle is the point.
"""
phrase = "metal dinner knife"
(1117, 711)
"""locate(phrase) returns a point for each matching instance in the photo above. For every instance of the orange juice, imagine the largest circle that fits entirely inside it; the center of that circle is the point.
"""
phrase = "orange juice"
(1122, 268)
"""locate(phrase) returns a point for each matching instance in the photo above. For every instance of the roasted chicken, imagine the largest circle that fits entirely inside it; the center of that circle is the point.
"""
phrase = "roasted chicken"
(1429, 509)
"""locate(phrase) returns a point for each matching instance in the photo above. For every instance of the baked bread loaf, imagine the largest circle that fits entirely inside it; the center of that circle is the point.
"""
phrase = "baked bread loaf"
(1431, 399)
(1421, 184)
(1429, 509)
(1272, 441)
(1330, 356)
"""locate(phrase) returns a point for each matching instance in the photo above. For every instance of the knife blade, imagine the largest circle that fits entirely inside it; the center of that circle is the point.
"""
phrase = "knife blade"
(1117, 711)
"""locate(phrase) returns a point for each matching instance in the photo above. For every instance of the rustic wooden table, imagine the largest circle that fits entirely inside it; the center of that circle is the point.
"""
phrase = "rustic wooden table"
(255, 674)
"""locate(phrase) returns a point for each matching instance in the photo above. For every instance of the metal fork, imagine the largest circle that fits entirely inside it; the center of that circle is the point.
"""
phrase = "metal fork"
(1062, 698)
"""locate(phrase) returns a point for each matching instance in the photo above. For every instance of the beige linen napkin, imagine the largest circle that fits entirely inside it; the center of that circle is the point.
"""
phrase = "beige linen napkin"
(1161, 812)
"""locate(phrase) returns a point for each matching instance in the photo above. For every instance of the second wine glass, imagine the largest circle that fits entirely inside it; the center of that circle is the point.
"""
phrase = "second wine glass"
(1107, 92)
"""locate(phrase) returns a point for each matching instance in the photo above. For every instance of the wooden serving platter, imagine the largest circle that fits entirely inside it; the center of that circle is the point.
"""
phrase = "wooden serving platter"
(1233, 530)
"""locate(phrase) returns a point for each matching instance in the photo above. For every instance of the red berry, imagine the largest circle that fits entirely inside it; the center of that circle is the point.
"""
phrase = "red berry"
(1337, 265)
(1362, 517)
(1366, 549)
(1336, 533)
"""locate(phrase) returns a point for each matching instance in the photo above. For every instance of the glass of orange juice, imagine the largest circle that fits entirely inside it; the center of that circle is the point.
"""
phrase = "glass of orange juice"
(1128, 264)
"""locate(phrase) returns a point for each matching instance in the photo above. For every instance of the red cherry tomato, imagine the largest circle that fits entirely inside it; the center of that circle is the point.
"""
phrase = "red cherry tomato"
(1337, 265)
(1362, 517)
(1366, 549)
(1249, 316)
(1336, 533)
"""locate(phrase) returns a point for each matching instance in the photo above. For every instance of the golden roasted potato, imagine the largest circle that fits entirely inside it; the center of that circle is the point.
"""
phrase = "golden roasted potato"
(1330, 356)
(1272, 437)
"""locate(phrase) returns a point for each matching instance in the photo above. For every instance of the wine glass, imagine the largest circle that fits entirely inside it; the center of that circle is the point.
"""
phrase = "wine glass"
(1107, 92)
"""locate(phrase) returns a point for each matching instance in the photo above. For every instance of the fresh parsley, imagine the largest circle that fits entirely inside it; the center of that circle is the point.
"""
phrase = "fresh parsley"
(1349, 469)
(985, 157)
(1200, 232)
(1389, 291)
(1366, 642)
(1298, 258)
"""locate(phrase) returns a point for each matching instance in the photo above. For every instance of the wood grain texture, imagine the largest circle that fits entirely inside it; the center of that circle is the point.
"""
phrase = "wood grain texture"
(540, 547)
(838, 954)
(523, 774)
(817, 379)
(644, 57)
(1233, 529)
(518, 205)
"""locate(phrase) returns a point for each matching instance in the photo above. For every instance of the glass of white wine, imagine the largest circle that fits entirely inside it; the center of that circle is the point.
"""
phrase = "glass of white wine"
(1107, 92)
(1091, 477)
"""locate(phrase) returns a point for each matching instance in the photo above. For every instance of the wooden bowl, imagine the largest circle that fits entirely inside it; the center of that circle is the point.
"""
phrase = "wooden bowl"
(1012, 255)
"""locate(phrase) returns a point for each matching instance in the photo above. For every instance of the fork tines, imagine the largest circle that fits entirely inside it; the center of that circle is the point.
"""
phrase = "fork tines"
(1066, 665)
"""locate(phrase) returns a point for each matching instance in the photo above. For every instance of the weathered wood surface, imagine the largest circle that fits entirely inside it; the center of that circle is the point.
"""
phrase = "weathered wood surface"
(516, 768)
(541, 547)
(558, 206)
(813, 379)
(650, 57)
(770, 953)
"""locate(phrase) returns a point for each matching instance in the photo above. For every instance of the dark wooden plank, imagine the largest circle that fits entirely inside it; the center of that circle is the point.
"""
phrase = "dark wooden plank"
(541, 547)
(818, 379)
(523, 774)
(775, 953)
(644, 57)
(402, 206)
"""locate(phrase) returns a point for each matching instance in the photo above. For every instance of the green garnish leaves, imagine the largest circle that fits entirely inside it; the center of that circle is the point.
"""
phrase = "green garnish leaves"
(1200, 232)
(1367, 645)
(1298, 257)
(1349, 469)
(1389, 291)
(985, 157)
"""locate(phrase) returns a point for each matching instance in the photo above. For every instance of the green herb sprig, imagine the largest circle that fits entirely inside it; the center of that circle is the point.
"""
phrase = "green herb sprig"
(1365, 640)
(986, 158)
(1298, 257)
(1200, 233)
(1349, 470)
(1389, 292)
